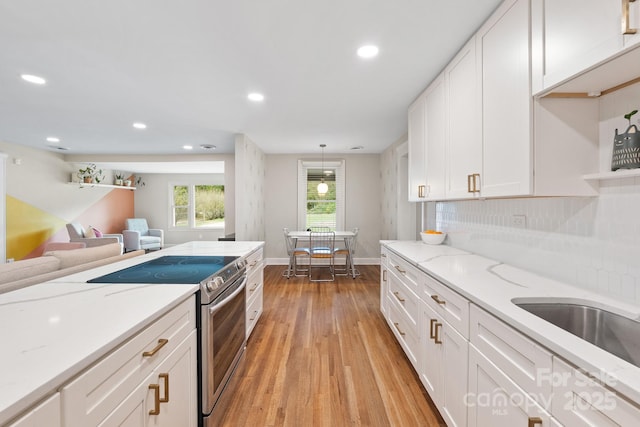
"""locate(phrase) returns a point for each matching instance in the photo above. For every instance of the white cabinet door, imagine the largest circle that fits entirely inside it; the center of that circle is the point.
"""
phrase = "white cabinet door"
(435, 139)
(494, 400)
(384, 281)
(575, 35)
(464, 155)
(46, 414)
(416, 143)
(503, 43)
(430, 357)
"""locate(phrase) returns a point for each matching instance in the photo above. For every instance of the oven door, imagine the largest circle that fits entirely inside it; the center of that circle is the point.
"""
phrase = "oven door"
(223, 341)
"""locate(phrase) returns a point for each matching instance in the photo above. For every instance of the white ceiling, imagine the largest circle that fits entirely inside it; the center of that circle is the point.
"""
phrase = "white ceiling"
(185, 68)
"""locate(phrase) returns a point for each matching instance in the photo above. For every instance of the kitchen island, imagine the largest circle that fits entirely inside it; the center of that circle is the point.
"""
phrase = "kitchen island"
(54, 331)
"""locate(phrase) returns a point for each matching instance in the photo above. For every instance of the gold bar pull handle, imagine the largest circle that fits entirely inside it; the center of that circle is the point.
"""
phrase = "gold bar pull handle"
(397, 295)
(432, 334)
(161, 343)
(156, 398)
(469, 190)
(165, 379)
(255, 314)
(398, 328)
(436, 337)
(397, 267)
(533, 421)
(384, 275)
(476, 182)
(438, 300)
(626, 25)
(421, 191)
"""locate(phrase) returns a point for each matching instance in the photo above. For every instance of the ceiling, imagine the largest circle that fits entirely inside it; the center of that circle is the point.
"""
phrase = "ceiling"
(185, 68)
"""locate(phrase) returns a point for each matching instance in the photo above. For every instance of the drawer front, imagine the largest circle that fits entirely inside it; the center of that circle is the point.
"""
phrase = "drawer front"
(89, 398)
(453, 307)
(404, 333)
(520, 358)
(254, 260)
(254, 281)
(409, 274)
(405, 299)
(580, 401)
(254, 310)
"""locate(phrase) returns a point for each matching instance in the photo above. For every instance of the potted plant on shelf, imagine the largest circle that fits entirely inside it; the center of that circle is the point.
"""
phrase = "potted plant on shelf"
(119, 178)
(90, 174)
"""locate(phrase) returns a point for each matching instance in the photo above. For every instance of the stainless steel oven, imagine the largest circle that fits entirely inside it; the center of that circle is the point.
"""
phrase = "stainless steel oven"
(223, 341)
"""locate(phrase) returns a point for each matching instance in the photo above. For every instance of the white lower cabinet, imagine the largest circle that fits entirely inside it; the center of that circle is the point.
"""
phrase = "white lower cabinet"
(45, 414)
(384, 266)
(254, 294)
(495, 400)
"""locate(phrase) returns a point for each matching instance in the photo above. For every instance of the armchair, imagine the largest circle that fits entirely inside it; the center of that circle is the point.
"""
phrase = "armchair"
(138, 235)
(78, 234)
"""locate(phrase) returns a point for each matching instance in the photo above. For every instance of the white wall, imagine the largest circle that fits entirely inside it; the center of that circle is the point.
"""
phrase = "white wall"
(3, 213)
(250, 190)
(363, 189)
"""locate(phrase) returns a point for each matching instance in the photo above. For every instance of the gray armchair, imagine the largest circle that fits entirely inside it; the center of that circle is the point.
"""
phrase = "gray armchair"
(78, 234)
(138, 235)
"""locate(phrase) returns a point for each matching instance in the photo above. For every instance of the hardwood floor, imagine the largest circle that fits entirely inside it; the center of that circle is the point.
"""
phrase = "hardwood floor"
(323, 355)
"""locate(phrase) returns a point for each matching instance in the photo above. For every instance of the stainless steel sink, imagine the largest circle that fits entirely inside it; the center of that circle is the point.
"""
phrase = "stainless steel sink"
(611, 332)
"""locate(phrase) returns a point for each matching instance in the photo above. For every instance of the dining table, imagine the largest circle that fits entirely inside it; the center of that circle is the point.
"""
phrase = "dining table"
(347, 236)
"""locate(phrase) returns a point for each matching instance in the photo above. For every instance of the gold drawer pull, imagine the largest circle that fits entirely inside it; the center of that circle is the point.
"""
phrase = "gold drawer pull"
(161, 343)
(436, 338)
(156, 399)
(398, 296)
(421, 191)
(383, 255)
(398, 328)
(255, 313)
(255, 286)
(533, 421)
(165, 378)
(626, 28)
(431, 323)
(438, 300)
(397, 267)
(384, 275)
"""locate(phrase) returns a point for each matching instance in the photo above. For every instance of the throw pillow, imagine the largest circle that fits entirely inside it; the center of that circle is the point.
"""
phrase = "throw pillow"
(89, 233)
(97, 232)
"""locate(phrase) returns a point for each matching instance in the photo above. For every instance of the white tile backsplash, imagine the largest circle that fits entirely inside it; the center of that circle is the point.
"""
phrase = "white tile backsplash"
(588, 242)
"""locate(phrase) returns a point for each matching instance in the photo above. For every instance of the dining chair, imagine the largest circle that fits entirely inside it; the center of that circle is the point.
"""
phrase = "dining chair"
(347, 251)
(321, 247)
(294, 252)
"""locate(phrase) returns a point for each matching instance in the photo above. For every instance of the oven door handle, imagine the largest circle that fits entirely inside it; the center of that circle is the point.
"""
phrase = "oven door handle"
(218, 305)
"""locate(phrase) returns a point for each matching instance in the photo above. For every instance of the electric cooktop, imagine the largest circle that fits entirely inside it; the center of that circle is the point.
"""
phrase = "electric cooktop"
(171, 269)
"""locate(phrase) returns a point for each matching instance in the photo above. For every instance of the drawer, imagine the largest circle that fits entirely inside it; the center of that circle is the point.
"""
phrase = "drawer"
(254, 260)
(254, 281)
(405, 299)
(453, 307)
(89, 398)
(405, 334)
(254, 309)
(408, 273)
(521, 359)
(579, 400)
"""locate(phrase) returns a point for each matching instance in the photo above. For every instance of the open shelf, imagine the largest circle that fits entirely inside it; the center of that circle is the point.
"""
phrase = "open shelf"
(119, 187)
(620, 173)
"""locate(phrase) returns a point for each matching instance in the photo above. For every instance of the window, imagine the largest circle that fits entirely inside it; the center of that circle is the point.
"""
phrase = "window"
(321, 210)
(197, 206)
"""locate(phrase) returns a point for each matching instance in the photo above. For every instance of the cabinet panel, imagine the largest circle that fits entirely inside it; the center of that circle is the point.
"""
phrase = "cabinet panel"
(464, 147)
(405, 271)
(404, 332)
(435, 139)
(45, 414)
(450, 306)
(405, 299)
(417, 153)
(384, 285)
(254, 310)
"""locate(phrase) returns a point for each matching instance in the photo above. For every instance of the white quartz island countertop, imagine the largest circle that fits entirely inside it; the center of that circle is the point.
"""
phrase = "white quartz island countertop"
(53, 331)
(494, 286)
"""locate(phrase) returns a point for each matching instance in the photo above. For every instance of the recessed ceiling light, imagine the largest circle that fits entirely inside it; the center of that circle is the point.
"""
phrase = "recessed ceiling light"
(358, 147)
(187, 147)
(208, 146)
(256, 97)
(368, 51)
(33, 79)
(139, 125)
(53, 139)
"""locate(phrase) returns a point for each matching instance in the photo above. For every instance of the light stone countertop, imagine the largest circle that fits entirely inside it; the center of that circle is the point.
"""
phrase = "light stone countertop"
(53, 331)
(493, 285)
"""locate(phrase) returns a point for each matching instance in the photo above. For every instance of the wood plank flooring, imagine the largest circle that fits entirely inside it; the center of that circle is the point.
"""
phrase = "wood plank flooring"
(323, 355)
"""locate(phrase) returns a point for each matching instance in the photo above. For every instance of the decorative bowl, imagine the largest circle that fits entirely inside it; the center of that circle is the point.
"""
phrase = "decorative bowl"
(433, 238)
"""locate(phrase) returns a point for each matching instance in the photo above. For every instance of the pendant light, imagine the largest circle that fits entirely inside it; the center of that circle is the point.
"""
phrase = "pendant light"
(322, 187)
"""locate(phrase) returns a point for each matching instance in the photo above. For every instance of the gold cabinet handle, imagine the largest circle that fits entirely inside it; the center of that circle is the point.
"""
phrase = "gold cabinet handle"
(165, 379)
(383, 255)
(626, 28)
(398, 296)
(436, 338)
(469, 183)
(397, 267)
(384, 275)
(476, 178)
(255, 286)
(438, 300)
(431, 333)
(255, 313)
(253, 263)
(156, 398)
(398, 328)
(533, 421)
(421, 191)
(161, 343)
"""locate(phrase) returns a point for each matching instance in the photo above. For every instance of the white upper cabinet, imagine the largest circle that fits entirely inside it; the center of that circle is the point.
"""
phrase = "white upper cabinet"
(571, 37)
(464, 155)
(417, 151)
(503, 45)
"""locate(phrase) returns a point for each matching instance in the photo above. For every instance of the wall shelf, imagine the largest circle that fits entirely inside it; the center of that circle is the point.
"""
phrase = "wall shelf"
(119, 187)
(620, 173)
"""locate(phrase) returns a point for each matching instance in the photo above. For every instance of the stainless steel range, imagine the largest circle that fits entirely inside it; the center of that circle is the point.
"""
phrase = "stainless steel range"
(221, 319)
